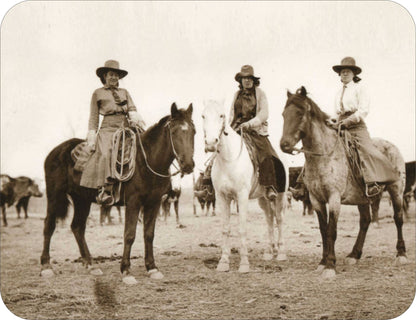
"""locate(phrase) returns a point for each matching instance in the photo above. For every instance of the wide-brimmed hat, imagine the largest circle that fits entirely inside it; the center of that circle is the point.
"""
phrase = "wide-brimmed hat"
(347, 63)
(111, 65)
(246, 71)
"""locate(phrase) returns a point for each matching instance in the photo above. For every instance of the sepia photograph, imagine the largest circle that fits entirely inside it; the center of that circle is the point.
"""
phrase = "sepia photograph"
(208, 160)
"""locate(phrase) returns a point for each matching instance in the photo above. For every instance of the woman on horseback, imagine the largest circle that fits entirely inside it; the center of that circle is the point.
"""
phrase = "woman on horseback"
(249, 112)
(352, 105)
(117, 108)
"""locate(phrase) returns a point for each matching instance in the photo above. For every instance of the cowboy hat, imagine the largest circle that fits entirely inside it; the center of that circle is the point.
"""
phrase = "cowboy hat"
(246, 71)
(111, 65)
(347, 63)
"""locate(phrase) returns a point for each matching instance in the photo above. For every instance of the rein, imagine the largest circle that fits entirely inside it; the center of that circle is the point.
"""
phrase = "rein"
(174, 152)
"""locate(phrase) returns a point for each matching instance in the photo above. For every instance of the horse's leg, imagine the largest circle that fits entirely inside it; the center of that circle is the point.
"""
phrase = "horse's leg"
(375, 205)
(322, 214)
(242, 217)
(278, 211)
(266, 207)
(397, 199)
(130, 225)
(334, 205)
(149, 222)
(224, 206)
(213, 208)
(359, 243)
(176, 207)
(78, 225)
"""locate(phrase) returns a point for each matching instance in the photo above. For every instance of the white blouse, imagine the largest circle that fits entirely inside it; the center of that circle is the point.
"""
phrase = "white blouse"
(355, 99)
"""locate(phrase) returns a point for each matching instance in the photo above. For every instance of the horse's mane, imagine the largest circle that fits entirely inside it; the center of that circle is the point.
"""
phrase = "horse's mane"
(299, 99)
(153, 131)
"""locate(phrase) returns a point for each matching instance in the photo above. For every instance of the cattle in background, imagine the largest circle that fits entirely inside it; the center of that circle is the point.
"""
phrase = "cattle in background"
(410, 188)
(298, 190)
(105, 214)
(204, 192)
(172, 197)
(14, 190)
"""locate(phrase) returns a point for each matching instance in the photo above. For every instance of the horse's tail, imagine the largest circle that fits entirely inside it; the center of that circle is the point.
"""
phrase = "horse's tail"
(56, 168)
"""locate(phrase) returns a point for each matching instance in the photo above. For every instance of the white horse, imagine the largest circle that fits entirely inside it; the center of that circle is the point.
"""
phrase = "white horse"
(234, 178)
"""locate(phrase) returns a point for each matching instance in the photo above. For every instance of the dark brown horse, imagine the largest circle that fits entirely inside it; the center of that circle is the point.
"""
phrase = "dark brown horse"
(172, 137)
(329, 180)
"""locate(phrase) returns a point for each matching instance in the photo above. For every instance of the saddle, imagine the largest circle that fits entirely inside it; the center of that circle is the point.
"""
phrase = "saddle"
(122, 160)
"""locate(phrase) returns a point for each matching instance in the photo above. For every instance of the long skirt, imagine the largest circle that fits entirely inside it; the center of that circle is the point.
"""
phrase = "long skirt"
(271, 170)
(375, 165)
(97, 170)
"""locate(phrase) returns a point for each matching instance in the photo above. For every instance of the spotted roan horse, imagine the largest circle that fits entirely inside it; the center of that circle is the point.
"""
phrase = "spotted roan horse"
(172, 137)
(329, 180)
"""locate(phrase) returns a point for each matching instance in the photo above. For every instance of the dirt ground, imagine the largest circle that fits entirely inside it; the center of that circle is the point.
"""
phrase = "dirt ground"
(375, 288)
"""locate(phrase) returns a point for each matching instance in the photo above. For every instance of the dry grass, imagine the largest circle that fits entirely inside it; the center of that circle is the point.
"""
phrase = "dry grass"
(192, 289)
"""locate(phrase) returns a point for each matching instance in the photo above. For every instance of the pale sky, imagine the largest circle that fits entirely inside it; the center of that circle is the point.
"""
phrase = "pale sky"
(190, 51)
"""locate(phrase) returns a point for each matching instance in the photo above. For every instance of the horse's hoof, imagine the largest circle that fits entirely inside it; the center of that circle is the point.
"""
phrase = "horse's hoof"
(376, 225)
(244, 268)
(281, 257)
(351, 261)
(96, 272)
(328, 274)
(267, 256)
(47, 273)
(223, 267)
(400, 260)
(320, 268)
(155, 274)
(180, 226)
(129, 280)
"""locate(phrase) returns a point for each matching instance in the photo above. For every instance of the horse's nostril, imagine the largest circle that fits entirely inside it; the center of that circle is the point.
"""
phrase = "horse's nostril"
(216, 140)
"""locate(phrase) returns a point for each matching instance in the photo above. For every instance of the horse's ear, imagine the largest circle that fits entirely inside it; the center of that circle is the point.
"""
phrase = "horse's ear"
(289, 94)
(190, 109)
(303, 91)
(174, 110)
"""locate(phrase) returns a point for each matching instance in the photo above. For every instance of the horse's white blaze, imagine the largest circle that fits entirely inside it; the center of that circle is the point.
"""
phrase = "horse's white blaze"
(232, 177)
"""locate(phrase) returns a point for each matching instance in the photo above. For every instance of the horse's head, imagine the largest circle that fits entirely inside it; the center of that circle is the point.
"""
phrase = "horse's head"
(214, 123)
(182, 132)
(297, 115)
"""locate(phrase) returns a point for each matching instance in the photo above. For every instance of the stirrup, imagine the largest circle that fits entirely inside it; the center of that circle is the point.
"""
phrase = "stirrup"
(104, 198)
(377, 187)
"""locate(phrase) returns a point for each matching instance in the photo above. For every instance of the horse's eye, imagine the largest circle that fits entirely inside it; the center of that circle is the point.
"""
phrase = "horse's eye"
(222, 116)
(203, 117)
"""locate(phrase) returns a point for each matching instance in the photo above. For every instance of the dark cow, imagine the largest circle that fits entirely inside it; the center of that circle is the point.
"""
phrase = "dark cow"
(410, 188)
(13, 190)
(204, 192)
(105, 214)
(298, 189)
(172, 197)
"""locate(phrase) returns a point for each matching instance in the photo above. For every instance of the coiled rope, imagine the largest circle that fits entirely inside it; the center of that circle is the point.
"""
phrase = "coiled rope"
(122, 166)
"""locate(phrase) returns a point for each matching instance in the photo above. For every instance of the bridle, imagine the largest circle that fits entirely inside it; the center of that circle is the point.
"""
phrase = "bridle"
(301, 128)
(168, 123)
(222, 131)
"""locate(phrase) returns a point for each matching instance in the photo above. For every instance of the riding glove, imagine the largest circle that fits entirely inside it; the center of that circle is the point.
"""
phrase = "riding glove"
(348, 122)
(136, 119)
